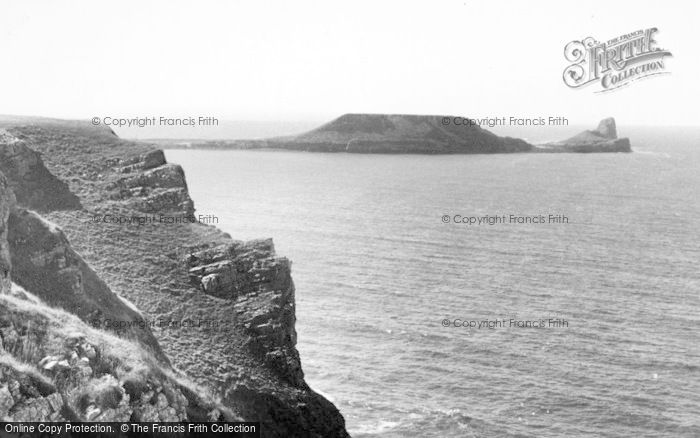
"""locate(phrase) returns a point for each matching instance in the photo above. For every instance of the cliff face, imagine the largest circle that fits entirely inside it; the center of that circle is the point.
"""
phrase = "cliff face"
(221, 310)
(151, 185)
(602, 139)
(54, 367)
(7, 200)
(32, 184)
(41, 257)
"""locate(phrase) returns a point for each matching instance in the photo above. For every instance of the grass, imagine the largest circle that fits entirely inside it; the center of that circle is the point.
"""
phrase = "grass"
(47, 331)
(24, 368)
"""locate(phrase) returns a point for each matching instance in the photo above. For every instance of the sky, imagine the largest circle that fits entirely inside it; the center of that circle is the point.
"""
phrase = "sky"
(291, 61)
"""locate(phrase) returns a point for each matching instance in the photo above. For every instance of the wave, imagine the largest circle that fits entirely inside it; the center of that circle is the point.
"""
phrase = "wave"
(653, 153)
(450, 422)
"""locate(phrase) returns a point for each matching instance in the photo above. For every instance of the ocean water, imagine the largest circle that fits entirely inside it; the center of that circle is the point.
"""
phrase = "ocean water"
(377, 271)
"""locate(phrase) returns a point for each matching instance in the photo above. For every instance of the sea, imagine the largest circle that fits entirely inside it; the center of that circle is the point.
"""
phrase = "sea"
(518, 295)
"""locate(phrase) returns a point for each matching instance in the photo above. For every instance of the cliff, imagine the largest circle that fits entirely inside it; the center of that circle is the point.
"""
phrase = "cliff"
(602, 139)
(55, 367)
(219, 311)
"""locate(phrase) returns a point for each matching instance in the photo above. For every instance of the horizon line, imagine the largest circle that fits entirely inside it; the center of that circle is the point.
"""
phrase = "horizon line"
(288, 120)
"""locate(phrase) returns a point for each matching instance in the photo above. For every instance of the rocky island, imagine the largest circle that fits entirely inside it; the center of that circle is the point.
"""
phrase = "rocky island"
(602, 139)
(413, 134)
(103, 318)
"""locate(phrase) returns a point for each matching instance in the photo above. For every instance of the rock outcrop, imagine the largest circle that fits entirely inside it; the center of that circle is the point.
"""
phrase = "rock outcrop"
(238, 269)
(152, 185)
(53, 366)
(602, 139)
(33, 185)
(250, 276)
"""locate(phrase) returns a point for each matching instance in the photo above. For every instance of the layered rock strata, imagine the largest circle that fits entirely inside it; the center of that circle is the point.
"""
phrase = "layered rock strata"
(222, 311)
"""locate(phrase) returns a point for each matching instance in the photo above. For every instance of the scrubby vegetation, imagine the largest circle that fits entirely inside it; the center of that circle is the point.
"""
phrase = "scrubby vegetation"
(55, 367)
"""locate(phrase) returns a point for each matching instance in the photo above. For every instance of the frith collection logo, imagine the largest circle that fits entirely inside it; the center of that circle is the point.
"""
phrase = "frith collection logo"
(614, 63)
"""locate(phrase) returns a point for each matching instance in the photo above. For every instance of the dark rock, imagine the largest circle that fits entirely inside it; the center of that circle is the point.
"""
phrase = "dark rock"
(34, 186)
(306, 415)
(26, 397)
(153, 159)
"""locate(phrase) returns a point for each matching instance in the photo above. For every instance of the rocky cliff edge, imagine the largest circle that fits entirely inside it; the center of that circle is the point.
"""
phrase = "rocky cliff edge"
(206, 309)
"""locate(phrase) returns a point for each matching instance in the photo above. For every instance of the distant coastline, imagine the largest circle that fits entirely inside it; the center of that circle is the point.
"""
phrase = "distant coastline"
(411, 134)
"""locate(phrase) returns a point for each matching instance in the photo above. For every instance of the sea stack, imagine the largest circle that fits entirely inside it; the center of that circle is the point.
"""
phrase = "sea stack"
(602, 139)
